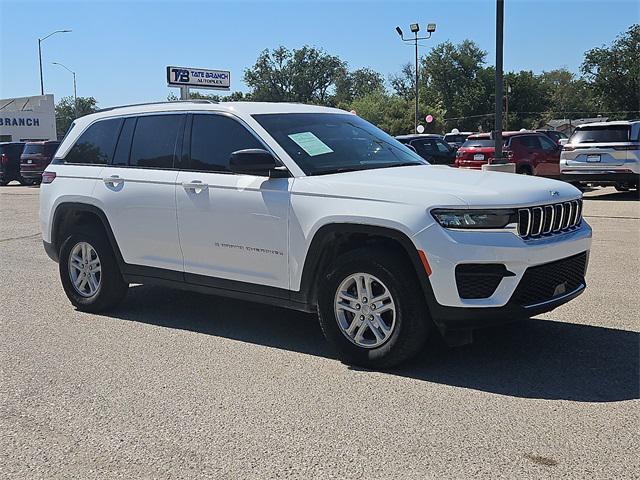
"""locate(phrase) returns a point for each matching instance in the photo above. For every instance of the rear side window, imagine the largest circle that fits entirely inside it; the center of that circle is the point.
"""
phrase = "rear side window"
(601, 134)
(50, 148)
(528, 141)
(214, 138)
(155, 141)
(95, 146)
(33, 149)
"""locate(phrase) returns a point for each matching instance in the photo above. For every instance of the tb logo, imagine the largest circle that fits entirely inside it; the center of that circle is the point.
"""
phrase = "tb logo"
(180, 75)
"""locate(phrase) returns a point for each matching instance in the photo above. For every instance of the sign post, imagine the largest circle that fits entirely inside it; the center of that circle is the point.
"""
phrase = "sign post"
(188, 77)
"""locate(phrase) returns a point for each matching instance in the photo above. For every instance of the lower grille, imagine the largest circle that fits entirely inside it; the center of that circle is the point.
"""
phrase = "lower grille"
(478, 280)
(545, 282)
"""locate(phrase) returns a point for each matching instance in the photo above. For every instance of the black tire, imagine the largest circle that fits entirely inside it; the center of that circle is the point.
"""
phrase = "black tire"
(3, 183)
(112, 288)
(25, 181)
(412, 321)
(525, 171)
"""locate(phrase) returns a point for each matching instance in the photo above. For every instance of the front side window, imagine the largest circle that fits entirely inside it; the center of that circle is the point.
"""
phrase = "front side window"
(322, 143)
(155, 141)
(95, 146)
(547, 144)
(442, 146)
(214, 138)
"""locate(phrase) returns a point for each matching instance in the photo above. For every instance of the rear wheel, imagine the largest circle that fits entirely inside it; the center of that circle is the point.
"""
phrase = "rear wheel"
(89, 272)
(372, 309)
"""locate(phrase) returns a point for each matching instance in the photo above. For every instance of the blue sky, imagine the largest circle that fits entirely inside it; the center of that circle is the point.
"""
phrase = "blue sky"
(119, 49)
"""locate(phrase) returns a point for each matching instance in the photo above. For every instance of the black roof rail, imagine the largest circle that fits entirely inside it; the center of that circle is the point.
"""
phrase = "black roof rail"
(194, 100)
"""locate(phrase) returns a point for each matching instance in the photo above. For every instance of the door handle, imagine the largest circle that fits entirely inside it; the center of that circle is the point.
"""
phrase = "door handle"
(197, 186)
(113, 180)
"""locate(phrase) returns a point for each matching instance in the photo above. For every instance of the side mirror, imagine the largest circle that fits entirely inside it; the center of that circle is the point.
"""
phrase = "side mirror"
(256, 161)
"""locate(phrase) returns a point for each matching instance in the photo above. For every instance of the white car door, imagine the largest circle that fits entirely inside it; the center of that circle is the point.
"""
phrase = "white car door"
(137, 191)
(232, 227)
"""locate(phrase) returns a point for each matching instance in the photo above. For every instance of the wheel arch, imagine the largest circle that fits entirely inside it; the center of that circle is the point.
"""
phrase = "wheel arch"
(336, 238)
(69, 214)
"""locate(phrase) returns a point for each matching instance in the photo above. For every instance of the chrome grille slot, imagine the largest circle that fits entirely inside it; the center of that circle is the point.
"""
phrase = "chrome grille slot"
(544, 220)
(547, 217)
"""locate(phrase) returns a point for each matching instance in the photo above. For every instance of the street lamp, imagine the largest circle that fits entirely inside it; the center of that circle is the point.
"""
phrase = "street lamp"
(40, 40)
(415, 28)
(75, 96)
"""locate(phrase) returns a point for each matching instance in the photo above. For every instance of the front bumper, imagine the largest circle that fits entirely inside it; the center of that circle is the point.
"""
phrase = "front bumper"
(446, 249)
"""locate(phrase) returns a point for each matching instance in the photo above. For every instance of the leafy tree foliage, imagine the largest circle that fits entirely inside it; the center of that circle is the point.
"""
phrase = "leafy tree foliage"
(614, 72)
(66, 112)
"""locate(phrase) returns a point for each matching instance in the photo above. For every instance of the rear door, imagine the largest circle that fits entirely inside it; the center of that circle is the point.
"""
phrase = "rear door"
(137, 192)
(598, 147)
(232, 227)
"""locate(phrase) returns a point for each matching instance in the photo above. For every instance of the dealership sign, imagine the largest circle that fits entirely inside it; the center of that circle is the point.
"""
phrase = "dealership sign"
(198, 78)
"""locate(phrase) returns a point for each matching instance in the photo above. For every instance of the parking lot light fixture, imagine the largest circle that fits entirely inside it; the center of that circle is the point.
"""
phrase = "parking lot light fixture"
(40, 40)
(415, 28)
(75, 96)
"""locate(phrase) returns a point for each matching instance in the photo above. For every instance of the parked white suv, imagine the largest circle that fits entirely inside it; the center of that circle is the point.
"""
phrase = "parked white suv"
(310, 208)
(603, 153)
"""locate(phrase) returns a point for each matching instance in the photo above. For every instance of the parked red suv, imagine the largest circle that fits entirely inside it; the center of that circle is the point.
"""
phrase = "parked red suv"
(35, 158)
(533, 153)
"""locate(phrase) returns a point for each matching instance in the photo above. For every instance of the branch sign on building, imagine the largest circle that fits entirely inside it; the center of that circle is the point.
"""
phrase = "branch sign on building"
(198, 78)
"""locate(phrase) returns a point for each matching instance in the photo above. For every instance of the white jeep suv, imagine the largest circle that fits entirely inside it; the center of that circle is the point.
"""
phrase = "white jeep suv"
(310, 208)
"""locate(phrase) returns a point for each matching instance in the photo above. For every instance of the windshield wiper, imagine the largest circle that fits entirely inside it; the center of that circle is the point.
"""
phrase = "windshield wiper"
(337, 170)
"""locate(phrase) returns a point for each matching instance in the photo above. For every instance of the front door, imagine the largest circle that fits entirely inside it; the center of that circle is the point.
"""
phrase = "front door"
(232, 227)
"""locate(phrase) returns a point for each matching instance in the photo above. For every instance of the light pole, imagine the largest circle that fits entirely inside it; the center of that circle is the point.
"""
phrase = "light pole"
(499, 79)
(75, 96)
(415, 28)
(40, 40)
(506, 111)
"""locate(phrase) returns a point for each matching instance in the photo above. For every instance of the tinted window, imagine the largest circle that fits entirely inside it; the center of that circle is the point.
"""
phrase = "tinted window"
(547, 144)
(33, 149)
(155, 141)
(481, 142)
(50, 148)
(442, 146)
(323, 143)
(121, 157)
(604, 134)
(214, 138)
(95, 146)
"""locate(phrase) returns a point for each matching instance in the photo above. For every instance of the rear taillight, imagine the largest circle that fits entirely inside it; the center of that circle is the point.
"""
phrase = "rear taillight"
(48, 177)
(4, 159)
(566, 148)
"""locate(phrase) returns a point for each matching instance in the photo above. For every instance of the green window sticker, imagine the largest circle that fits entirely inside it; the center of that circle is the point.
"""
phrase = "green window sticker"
(310, 143)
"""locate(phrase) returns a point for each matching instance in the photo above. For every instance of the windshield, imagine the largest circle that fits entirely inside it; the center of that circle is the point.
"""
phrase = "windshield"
(322, 143)
(604, 134)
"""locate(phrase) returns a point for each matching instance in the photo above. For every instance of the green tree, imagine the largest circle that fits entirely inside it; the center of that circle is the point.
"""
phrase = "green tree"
(569, 96)
(305, 75)
(357, 84)
(66, 112)
(614, 72)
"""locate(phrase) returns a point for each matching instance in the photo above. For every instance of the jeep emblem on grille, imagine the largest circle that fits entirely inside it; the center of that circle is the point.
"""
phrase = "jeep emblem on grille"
(554, 193)
(560, 289)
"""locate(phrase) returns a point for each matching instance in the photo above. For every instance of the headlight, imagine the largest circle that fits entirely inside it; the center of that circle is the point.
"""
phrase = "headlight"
(474, 218)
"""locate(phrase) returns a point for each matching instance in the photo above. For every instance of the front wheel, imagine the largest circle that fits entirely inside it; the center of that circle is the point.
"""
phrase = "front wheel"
(372, 309)
(89, 272)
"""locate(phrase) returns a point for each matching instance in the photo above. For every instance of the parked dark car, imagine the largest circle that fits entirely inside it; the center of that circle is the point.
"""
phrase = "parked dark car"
(10, 162)
(35, 158)
(533, 153)
(430, 147)
(554, 135)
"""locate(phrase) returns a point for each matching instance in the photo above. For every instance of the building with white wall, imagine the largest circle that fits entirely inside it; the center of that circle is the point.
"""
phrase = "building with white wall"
(27, 118)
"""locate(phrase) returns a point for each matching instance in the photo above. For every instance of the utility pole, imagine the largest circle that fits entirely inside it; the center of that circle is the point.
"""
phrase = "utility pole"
(415, 28)
(499, 79)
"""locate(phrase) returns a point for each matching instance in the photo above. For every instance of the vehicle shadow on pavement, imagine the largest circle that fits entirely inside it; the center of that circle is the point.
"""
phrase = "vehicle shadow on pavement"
(536, 358)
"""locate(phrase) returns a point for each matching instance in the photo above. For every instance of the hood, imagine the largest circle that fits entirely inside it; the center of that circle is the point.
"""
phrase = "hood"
(430, 185)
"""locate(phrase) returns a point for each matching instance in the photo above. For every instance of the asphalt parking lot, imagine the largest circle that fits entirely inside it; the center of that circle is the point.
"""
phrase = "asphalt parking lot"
(181, 385)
